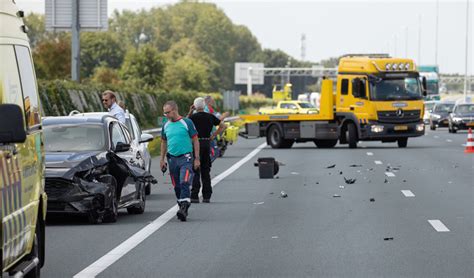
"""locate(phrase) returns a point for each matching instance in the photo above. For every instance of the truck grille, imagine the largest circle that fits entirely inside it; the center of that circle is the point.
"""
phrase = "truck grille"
(56, 188)
(394, 117)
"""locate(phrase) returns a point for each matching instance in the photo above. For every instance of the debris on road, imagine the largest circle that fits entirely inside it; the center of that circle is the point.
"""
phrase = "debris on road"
(336, 196)
(317, 182)
(372, 199)
(271, 193)
(259, 203)
(341, 186)
(274, 237)
(388, 238)
(331, 166)
(385, 181)
(283, 194)
(349, 181)
(355, 165)
(340, 173)
(404, 180)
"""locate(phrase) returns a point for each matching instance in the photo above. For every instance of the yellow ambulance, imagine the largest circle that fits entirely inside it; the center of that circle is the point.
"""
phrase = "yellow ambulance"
(22, 196)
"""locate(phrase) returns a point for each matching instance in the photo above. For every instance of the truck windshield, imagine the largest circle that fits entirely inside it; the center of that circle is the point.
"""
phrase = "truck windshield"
(395, 89)
(432, 88)
(74, 138)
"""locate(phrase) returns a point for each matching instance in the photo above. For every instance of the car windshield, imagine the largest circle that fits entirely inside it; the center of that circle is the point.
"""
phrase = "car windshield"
(444, 107)
(74, 138)
(395, 89)
(306, 105)
(465, 109)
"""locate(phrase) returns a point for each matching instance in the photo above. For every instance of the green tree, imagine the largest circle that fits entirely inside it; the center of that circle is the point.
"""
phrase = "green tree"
(105, 75)
(100, 48)
(52, 57)
(145, 65)
(36, 28)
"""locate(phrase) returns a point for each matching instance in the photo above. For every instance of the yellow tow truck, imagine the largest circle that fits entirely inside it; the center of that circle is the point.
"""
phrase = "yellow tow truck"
(23, 199)
(377, 98)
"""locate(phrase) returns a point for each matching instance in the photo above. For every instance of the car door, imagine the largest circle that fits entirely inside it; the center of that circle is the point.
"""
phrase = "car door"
(142, 147)
(129, 187)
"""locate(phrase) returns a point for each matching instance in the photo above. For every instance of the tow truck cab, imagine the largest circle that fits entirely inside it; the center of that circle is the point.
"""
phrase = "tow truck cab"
(23, 200)
(379, 98)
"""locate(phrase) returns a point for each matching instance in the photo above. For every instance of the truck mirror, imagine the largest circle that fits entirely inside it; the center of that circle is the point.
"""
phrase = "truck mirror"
(13, 130)
(424, 86)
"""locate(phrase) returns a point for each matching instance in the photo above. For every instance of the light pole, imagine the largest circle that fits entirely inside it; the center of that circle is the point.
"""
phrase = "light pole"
(406, 41)
(419, 39)
(436, 33)
(467, 51)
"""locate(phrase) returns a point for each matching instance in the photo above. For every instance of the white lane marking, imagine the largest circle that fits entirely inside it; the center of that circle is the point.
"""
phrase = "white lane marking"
(449, 140)
(378, 162)
(259, 203)
(389, 174)
(370, 154)
(118, 252)
(295, 173)
(438, 225)
(408, 193)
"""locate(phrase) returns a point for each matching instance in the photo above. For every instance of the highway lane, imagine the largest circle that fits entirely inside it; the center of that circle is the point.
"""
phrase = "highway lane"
(248, 230)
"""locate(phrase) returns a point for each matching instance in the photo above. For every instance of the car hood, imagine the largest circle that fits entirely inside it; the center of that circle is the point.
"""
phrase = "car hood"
(467, 115)
(68, 159)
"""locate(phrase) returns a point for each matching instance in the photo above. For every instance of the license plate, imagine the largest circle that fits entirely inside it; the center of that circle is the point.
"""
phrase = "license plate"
(470, 124)
(400, 127)
(445, 121)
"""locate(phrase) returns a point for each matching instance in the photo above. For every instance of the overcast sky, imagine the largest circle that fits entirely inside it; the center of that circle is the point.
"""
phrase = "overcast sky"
(334, 28)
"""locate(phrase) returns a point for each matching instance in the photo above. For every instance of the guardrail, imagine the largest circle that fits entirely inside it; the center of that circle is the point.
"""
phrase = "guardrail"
(156, 132)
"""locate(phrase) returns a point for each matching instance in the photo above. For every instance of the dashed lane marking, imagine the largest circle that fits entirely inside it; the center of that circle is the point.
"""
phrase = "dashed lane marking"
(370, 154)
(449, 140)
(438, 225)
(118, 252)
(389, 174)
(378, 162)
(408, 193)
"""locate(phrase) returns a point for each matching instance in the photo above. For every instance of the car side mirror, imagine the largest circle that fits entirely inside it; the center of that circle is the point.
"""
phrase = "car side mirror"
(424, 86)
(122, 147)
(145, 137)
(13, 129)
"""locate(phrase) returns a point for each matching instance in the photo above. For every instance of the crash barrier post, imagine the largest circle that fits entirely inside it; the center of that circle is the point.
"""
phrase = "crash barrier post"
(469, 143)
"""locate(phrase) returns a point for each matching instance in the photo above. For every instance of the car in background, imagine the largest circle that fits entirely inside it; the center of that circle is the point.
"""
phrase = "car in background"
(461, 118)
(139, 140)
(91, 168)
(429, 105)
(439, 115)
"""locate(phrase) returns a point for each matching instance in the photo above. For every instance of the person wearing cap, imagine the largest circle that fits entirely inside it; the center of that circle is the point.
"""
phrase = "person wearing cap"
(204, 123)
(109, 100)
(178, 140)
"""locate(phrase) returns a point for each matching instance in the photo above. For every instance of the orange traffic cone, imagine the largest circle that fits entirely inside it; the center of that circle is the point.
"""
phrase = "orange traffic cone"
(470, 143)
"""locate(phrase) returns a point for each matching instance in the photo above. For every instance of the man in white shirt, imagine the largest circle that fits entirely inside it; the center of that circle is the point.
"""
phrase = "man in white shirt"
(109, 101)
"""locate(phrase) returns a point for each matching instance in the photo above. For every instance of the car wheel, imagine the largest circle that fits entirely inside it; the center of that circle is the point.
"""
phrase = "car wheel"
(95, 217)
(352, 135)
(402, 142)
(111, 213)
(432, 127)
(140, 207)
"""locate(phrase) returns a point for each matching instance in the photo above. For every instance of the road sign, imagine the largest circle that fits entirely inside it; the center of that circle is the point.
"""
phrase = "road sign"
(92, 15)
(242, 71)
(231, 100)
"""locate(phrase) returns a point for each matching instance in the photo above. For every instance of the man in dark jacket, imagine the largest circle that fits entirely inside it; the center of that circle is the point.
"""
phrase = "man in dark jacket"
(204, 123)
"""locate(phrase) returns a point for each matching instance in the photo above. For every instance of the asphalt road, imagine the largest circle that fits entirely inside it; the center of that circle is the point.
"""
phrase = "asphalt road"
(392, 222)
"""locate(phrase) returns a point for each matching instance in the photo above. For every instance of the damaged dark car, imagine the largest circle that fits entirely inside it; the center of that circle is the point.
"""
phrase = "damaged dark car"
(91, 169)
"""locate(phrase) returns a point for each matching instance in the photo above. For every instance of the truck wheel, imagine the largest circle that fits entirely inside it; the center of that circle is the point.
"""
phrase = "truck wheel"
(322, 144)
(140, 207)
(402, 142)
(275, 137)
(352, 135)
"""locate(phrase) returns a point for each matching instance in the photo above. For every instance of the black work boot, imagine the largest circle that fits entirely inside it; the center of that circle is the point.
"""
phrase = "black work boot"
(183, 211)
